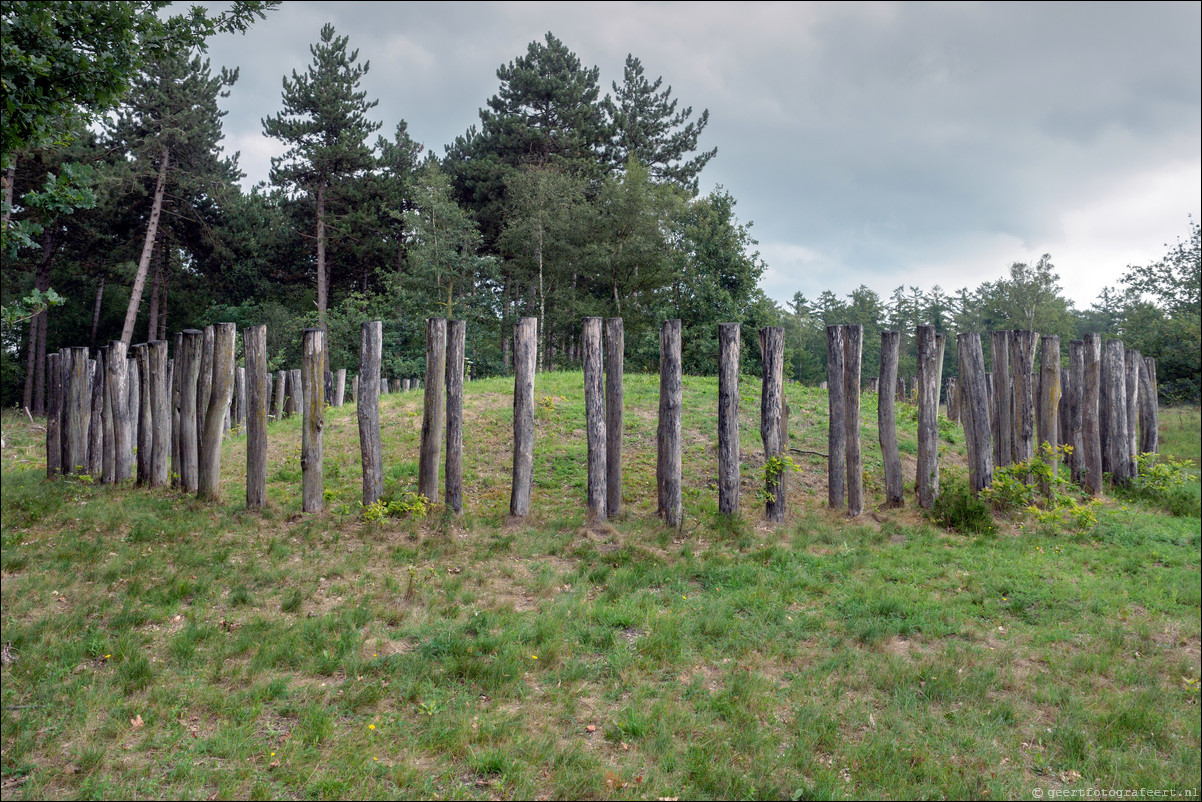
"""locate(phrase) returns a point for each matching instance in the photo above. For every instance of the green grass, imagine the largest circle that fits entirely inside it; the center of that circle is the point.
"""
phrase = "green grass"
(278, 654)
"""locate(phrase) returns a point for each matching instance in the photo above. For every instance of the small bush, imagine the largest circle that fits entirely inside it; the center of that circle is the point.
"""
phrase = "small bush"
(956, 508)
(1163, 482)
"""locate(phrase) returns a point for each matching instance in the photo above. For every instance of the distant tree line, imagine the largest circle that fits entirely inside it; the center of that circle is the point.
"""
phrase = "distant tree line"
(563, 202)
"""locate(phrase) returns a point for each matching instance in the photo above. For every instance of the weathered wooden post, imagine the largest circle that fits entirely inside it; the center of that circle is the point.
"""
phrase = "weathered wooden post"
(729, 473)
(340, 387)
(296, 392)
(456, 346)
(355, 388)
(836, 466)
(117, 386)
(77, 414)
(281, 390)
(974, 410)
(772, 408)
(54, 416)
(1091, 424)
(853, 347)
(177, 400)
(406, 385)
(145, 413)
(1049, 395)
(328, 388)
(109, 472)
(96, 424)
(204, 388)
(668, 446)
(221, 388)
(1002, 399)
(928, 417)
(953, 400)
(433, 408)
(254, 352)
(133, 401)
(239, 416)
(1116, 411)
(1149, 412)
(887, 418)
(615, 353)
(160, 412)
(189, 444)
(593, 366)
(940, 343)
(1022, 370)
(1063, 413)
(367, 406)
(1076, 393)
(525, 345)
(313, 368)
(874, 385)
(1131, 363)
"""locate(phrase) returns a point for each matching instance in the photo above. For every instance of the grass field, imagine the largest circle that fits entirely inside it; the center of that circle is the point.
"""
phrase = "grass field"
(167, 648)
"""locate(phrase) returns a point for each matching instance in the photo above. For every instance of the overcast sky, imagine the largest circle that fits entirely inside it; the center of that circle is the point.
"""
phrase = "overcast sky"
(870, 143)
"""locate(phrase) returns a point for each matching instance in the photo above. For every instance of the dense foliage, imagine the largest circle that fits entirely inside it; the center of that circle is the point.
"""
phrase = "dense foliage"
(562, 202)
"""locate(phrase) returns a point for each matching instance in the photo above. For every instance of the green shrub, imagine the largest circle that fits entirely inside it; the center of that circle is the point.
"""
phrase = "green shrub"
(956, 508)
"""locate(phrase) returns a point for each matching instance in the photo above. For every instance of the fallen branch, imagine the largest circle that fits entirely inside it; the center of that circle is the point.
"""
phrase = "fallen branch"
(803, 451)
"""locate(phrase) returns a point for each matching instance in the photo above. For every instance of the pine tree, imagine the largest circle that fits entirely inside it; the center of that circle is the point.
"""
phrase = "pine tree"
(325, 125)
(648, 128)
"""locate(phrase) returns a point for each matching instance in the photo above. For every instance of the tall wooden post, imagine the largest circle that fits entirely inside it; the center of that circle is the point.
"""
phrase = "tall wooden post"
(367, 404)
(204, 388)
(887, 418)
(281, 390)
(668, 447)
(974, 410)
(145, 413)
(456, 342)
(133, 401)
(1115, 414)
(928, 417)
(339, 387)
(239, 417)
(1022, 370)
(853, 347)
(1076, 394)
(313, 371)
(221, 389)
(160, 413)
(1091, 422)
(254, 351)
(1149, 408)
(615, 353)
(1049, 395)
(77, 415)
(525, 347)
(1002, 399)
(593, 365)
(117, 385)
(772, 409)
(433, 408)
(1132, 360)
(729, 473)
(54, 416)
(836, 471)
(109, 472)
(940, 345)
(96, 424)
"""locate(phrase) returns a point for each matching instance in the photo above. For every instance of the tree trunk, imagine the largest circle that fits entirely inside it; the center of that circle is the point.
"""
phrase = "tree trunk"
(35, 376)
(729, 473)
(367, 405)
(615, 352)
(152, 325)
(322, 289)
(433, 408)
(887, 418)
(313, 370)
(594, 413)
(135, 296)
(668, 447)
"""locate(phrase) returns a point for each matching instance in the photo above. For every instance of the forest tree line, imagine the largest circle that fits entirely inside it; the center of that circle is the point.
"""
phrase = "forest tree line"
(565, 201)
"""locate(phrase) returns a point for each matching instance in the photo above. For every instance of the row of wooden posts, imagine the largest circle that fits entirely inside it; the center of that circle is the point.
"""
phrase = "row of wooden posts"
(176, 412)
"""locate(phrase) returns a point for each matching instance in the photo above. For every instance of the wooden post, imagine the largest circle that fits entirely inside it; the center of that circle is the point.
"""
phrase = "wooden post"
(328, 388)
(77, 413)
(109, 471)
(160, 413)
(313, 369)
(145, 413)
(221, 388)
(1091, 424)
(593, 366)
(1002, 399)
(239, 416)
(836, 466)
(953, 400)
(204, 388)
(133, 401)
(668, 447)
(355, 388)
(1149, 411)
(54, 416)
(615, 352)
(456, 342)
(254, 351)
(927, 484)
(367, 405)
(117, 386)
(940, 343)
(772, 409)
(853, 345)
(177, 400)
(96, 424)
(1022, 369)
(1132, 360)
(901, 388)
(1076, 393)
(281, 389)
(296, 392)
(433, 408)
(1063, 413)
(729, 473)
(340, 387)
(189, 444)
(887, 418)
(974, 410)
(1049, 395)
(1115, 414)
(525, 347)
(874, 385)
(406, 385)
